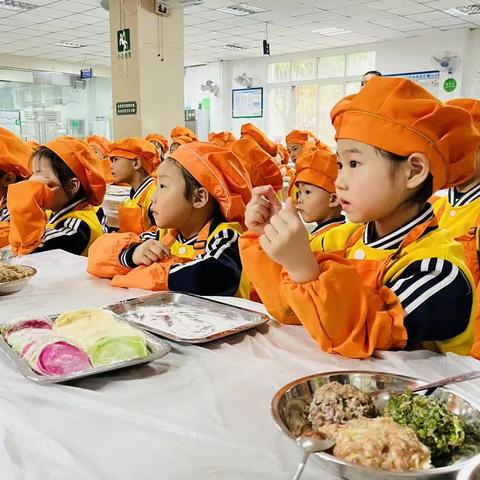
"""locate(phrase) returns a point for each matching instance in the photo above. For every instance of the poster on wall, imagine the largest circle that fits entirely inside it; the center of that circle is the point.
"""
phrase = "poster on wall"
(247, 103)
(429, 79)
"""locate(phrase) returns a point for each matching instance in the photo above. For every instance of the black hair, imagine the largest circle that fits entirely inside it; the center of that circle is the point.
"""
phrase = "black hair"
(63, 172)
(424, 191)
(373, 72)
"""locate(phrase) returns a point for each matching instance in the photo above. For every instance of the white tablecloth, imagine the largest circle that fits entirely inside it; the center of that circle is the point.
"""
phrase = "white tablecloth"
(202, 412)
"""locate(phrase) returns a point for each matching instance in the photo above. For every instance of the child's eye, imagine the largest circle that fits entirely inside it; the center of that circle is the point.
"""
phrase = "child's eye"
(339, 165)
(307, 192)
(353, 163)
(161, 185)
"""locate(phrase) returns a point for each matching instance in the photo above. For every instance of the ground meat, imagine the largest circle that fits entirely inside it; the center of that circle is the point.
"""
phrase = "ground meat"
(334, 403)
(382, 444)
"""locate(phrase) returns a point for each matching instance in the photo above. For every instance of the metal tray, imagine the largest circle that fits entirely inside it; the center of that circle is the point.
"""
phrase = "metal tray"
(290, 403)
(16, 285)
(157, 347)
(184, 317)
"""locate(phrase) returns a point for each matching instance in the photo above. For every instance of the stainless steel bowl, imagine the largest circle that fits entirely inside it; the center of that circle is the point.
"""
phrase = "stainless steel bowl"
(471, 471)
(16, 285)
(290, 409)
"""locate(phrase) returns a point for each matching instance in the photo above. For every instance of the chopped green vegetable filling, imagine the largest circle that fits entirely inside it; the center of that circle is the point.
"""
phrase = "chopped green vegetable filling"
(436, 427)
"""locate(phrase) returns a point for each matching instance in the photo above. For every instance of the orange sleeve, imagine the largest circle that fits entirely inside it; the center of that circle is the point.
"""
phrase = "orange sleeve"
(4, 233)
(103, 255)
(26, 202)
(343, 315)
(153, 277)
(265, 274)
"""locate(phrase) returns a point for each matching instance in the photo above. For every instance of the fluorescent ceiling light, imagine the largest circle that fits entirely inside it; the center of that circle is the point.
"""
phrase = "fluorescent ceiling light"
(233, 47)
(69, 44)
(331, 31)
(473, 9)
(241, 9)
(16, 6)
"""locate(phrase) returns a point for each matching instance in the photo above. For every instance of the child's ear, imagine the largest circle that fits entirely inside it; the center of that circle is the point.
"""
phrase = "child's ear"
(137, 164)
(74, 186)
(418, 168)
(200, 198)
(334, 202)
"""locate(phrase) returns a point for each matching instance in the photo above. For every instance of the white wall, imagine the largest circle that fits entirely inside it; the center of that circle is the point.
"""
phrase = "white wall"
(396, 56)
(194, 78)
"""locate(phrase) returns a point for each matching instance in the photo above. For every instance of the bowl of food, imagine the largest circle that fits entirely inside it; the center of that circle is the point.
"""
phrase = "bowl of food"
(14, 278)
(396, 435)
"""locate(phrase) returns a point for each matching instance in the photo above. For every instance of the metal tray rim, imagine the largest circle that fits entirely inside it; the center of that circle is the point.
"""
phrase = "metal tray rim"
(264, 318)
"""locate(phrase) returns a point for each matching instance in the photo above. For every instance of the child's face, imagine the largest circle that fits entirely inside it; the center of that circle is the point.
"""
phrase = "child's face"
(368, 187)
(44, 173)
(293, 150)
(313, 203)
(122, 169)
(170, 208)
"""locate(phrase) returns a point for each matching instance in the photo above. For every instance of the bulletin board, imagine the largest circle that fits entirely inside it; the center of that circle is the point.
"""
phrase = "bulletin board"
(429, 79)
(247, 103)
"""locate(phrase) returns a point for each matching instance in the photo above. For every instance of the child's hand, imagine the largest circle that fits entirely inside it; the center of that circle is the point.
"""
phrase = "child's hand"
(285, 240)
(263, 205)
(150, 252)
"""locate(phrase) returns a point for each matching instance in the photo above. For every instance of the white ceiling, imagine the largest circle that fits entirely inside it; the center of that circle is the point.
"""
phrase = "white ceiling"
(207, 30)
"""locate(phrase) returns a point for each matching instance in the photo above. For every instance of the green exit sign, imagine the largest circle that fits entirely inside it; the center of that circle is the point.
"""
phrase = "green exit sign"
(126, 108)
(123, 40)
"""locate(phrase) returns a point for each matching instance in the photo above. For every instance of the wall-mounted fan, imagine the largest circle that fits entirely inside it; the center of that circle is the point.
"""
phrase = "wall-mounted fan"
(244, 80)
(446, 61)
(210, 86)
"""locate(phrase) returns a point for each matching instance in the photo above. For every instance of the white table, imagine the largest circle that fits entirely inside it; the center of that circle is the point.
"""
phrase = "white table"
(199, 413)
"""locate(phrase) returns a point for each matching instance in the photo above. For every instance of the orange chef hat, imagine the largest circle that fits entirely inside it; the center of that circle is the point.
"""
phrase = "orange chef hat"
(471, 105)
(283, 152)
(14, 154)
(251, 131)
(101, 143)
(222, 139)
(317, 167)
(300, 136)
(221, 173)
(86, 166)
(182, 135)
(397, 115)
(133, 147)
(260, 166)
(33, 144)
(157, 137)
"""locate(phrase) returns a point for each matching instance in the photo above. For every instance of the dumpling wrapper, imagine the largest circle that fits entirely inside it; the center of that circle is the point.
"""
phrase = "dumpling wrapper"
(19, 324)
(47, 353)
(98, 333)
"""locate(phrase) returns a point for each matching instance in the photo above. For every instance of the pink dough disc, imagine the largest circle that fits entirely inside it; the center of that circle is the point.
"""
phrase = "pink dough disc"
(61, 358)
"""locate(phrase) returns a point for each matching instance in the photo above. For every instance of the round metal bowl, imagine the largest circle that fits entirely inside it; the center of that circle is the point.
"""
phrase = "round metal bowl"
(290, 408)
(16, 285)
(471, 471)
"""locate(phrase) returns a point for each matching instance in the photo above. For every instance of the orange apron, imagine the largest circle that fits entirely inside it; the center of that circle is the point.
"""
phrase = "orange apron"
(132, 219)
(471, 247)
(372, 272)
